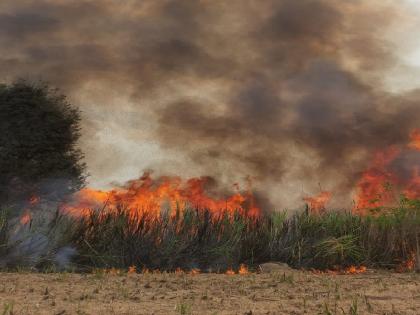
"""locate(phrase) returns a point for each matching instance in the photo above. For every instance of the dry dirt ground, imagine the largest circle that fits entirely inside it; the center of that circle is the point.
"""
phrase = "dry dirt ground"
(288, 292)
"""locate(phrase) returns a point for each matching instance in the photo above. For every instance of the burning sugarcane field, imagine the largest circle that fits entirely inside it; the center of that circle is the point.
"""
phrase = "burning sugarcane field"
(209, 157)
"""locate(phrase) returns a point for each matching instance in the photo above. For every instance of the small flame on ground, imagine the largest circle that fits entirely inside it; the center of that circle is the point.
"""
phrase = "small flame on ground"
(195, 271)
(352, 270)
(243, 270)
(408, 265)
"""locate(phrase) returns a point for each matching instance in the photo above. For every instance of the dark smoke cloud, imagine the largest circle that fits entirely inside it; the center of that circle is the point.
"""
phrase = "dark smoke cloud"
(288, 92)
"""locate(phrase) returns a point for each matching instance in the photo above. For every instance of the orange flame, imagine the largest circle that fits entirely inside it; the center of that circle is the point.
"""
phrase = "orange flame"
(179, 271)
(352, 270)
(243, 270)
(195, 271)
(375, 186)
(229, 272)
(146, 195)
(27, 215)
(319, 202)
(408, 265)
(25, 218)
(412, 190)
(415, 139)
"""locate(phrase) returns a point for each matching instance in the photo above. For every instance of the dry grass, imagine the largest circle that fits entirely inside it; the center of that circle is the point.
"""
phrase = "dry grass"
(293, 292)
(195, 239)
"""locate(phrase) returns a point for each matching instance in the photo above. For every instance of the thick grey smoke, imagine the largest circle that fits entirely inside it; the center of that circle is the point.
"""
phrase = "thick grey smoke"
(290, 93)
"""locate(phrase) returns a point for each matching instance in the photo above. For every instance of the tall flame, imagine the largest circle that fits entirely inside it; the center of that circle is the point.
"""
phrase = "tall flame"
(26, 216)
(379, 183)
(413, 188)
(375, 186)
(165, 193)
(415, 139)
(319, 202)
(412, 191)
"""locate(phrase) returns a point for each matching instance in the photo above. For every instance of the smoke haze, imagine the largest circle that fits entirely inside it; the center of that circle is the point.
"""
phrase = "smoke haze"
(291, 94)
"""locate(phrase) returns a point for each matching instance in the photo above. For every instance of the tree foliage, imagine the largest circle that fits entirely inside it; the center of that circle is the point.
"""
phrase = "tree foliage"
(39, 130)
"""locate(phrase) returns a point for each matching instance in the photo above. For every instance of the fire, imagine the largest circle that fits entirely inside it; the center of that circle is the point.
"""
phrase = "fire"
(413, 188)
(132, 270)
(415, 139)
(352, 270)
(26, 217)
(195, 271)
(85, 200)
(165, 193)
(319, 202)
(379, 184)
(408, 265)
(243, 270)
(179, 271)
(375, 186)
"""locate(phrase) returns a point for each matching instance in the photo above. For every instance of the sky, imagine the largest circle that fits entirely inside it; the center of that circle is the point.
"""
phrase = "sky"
(294, 95)
(408, 47)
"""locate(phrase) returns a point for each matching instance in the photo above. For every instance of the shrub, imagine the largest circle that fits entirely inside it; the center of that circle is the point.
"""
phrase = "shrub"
(38, 134)
(196, 239)
(191, 239)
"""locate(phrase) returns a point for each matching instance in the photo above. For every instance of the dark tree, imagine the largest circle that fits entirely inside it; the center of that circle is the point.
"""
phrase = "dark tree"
(39, 131)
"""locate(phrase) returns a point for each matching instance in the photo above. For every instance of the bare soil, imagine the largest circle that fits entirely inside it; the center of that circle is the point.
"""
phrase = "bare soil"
(288, 292)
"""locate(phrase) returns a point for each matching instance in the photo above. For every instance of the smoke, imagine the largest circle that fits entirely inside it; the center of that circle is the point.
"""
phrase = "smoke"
(36, 243)
(288, 93)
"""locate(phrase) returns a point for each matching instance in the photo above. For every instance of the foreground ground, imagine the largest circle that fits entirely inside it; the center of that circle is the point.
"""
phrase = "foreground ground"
(278, 292)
